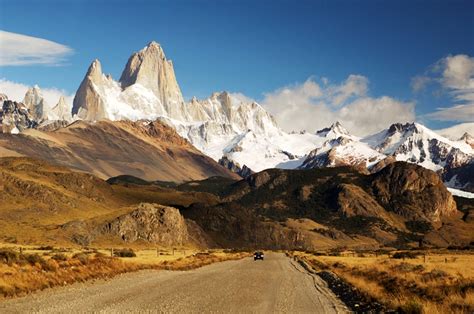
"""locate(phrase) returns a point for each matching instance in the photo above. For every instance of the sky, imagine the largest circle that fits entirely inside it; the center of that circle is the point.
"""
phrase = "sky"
(365, 63)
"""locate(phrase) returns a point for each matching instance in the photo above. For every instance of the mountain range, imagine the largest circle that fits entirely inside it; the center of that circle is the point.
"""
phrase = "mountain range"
(132, 161)
(238, 133)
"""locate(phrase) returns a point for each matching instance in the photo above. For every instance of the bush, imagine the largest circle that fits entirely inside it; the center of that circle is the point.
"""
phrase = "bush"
(45, 248)
(125, 253)
(100, 255)
(34, 259)
(83, 258)
(59, 257)
(8, 256)
(400, 255)
(412, 307)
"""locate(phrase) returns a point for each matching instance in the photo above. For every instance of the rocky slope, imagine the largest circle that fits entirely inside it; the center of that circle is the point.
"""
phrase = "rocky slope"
(319, 208)
(306, 209)
(45, 204)
(150, 150)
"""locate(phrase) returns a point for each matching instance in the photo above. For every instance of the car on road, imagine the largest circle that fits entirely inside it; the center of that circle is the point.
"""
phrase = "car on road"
(258, 255)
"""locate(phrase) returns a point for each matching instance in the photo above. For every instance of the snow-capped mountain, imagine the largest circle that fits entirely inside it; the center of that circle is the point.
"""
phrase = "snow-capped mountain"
(343, 151)
(416, 143)
(468, 139)
(147, 89)
(32, 112)
(14, 116)
(457, 131)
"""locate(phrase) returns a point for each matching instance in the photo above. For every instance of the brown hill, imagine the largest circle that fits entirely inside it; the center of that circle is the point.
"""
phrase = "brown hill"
(149, 150)
(403, 204)
(400, 206)
(45, 204)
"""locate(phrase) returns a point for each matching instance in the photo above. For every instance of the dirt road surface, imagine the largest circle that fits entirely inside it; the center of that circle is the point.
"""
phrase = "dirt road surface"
(275, 285)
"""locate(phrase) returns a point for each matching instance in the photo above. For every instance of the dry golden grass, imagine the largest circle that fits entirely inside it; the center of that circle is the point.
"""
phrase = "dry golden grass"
(439, 282)
(37, 268)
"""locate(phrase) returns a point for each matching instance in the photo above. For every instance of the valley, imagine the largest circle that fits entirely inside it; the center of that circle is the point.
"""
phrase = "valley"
(269, 195)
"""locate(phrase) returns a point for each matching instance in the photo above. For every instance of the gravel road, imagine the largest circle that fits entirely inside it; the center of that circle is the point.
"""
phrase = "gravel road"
(275, 285)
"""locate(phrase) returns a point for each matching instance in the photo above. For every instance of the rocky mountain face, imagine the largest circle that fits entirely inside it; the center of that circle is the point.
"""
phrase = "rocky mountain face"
(468, 139)
(35, 103)
(15, 117)
(153, 223)
(413, 192)
(32, 112)
(244, 172)
(240, 132)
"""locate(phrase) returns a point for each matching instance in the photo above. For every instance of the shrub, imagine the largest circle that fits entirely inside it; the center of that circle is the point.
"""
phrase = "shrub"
(99, 255)
(81, 257)
(8, 256)
(125, 253)
(59, 257)
(412, 307)
(45, 248)
(33, 259)
(399, 255)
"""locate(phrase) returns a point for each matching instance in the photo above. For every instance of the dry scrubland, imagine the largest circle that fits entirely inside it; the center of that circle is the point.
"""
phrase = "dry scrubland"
(36, 268)
(412, 282)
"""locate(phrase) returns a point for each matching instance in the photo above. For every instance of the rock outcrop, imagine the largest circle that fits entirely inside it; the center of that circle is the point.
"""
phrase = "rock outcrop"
(413, 192)
(243, 171)
(468, 139)
(152, 223)
(15, 117)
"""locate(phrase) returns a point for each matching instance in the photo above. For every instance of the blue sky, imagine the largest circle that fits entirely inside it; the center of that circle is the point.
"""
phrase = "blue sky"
(257, 48)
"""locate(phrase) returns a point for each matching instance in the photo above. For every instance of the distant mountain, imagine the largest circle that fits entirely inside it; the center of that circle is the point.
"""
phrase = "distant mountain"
(457, 131)
(341, 149)
(416, 143)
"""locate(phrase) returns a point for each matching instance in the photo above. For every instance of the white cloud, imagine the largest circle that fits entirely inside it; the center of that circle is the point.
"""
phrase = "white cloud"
(17, 49)
(455, 74)
(458, 72)
(241, 97)
(353, 86)
(311, 107)
(419, 82)
(459, 113)
(16, 91)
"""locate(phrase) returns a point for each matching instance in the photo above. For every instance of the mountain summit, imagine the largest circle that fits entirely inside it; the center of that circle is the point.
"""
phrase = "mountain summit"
(150, 69)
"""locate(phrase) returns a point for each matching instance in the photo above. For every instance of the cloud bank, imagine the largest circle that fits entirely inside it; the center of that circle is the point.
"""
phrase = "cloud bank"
(16, 91)
(312, 106)
(455, 75)
(17, 50)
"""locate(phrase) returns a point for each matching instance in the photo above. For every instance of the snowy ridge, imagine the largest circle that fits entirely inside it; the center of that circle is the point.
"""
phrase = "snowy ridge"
(413, 142)
(460, 193)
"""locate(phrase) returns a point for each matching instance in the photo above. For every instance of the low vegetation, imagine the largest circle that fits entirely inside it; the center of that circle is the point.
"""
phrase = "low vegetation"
(410, 282)
(24, 270)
